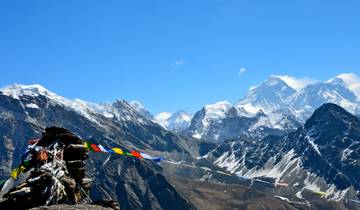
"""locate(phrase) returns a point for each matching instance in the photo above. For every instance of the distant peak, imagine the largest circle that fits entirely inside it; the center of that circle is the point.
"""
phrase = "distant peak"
(274, 80)
(329, 113)
(221, 104)
(336, 81)
(331, 107)
(16, 90)
(295, 83)
(136, 104)
(348, 77)
(163, 116)
(275, 77)
(181, 112)
(119, 101)
(24, 87)
(351, 81)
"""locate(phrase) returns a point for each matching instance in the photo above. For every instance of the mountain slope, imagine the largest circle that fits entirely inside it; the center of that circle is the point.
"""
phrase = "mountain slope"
(26, 110)
(323, 155)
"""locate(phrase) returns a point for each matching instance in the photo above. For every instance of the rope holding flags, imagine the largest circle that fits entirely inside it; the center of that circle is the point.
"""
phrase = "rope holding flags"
(15, 173)
(132, 153)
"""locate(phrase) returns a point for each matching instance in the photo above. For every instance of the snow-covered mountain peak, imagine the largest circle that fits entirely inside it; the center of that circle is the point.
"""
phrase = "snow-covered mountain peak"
(162, 118)
(275, 84)
(136, 104)
(217, 110)
(176, 122)
(17, 90)
(272, 81)
(268, 96)
(332, 91)
(179, 121)
(295, 83)
(351, 81)
(141, 109)
(182, 114)
(336, 81)
(280, 103)
(119, 109)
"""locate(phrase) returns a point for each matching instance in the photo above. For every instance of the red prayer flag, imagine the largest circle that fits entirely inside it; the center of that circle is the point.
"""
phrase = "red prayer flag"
(95, 148)
(136, 154)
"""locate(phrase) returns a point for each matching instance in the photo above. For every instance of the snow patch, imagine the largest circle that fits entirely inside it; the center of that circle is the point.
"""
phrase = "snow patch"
(312, 143)
(32, 106)
(197, 136)
(336, 195)
(346, 153)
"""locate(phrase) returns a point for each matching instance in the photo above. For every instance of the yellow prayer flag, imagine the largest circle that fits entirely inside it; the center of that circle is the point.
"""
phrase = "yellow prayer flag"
(118, 151)
(86, 146)
(320, 193)
(15, 173)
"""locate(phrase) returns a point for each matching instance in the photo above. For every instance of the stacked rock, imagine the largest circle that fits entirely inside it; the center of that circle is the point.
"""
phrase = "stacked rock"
(56, 168)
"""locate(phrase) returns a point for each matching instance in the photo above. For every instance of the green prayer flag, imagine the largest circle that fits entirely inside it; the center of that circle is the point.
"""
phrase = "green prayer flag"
(89, 146)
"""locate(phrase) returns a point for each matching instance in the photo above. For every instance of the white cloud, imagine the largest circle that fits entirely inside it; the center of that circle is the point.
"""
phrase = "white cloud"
(296, 83)
(178, 62)
(352, 81)
(242, 70)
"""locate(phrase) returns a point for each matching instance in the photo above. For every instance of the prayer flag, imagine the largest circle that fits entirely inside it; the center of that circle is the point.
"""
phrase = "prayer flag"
(102, 148)
(89, 146)
(95, 148)
(136, 154)
(118, 151)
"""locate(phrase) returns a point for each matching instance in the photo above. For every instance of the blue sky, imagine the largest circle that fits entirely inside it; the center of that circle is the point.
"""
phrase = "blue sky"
(173, 55)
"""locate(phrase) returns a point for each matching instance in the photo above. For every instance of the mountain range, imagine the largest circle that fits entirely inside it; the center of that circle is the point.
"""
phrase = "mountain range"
(322, 155)
(272, 107)
(282, 146)
(275, 106)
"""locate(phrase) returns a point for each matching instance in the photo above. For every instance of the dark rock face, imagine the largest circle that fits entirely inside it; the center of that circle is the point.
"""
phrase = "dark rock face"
(337, 136)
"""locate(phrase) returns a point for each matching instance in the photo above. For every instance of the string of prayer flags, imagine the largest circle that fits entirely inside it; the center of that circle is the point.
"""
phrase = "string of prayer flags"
(133, 153)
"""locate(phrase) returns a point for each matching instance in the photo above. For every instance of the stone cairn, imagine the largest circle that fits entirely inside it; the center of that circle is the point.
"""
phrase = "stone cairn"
(55, 172)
